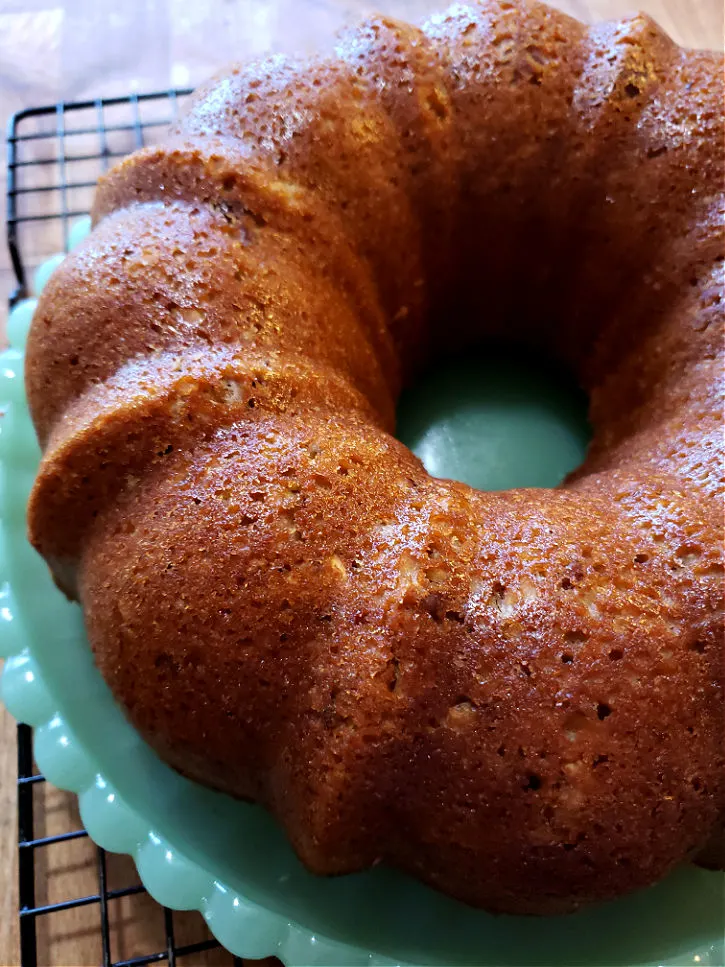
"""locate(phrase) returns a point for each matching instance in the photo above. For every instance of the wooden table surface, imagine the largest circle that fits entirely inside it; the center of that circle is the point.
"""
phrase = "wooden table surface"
(74, 49)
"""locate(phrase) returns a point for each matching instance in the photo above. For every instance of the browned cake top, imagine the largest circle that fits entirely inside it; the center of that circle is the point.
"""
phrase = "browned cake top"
(516, 696)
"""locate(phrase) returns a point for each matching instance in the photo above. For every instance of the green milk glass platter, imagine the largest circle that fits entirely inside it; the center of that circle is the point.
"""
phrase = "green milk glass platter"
(492, 422)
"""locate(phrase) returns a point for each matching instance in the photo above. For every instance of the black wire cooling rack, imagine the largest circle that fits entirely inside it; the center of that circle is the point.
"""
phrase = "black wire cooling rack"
(55, 155)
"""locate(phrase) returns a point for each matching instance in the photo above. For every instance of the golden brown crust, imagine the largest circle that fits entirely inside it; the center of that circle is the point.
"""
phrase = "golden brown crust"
(529, 684)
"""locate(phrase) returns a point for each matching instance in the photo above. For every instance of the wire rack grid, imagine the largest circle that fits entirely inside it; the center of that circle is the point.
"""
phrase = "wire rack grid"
(55, 155)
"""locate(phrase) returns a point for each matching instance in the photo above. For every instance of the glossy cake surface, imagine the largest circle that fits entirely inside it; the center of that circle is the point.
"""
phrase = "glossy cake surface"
(515, 696)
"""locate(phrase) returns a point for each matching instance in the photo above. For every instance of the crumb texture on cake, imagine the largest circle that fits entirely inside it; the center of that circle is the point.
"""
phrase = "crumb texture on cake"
(518, 696)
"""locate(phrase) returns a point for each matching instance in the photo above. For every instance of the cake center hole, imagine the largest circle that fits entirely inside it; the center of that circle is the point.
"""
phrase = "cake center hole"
(496, 419)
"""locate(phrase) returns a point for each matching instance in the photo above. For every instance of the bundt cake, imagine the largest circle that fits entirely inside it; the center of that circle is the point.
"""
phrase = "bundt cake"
(515, 696)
